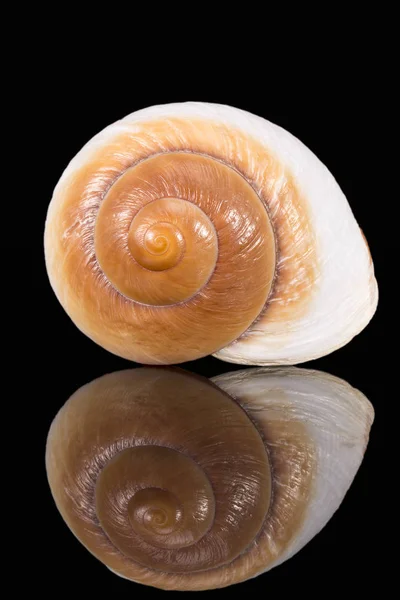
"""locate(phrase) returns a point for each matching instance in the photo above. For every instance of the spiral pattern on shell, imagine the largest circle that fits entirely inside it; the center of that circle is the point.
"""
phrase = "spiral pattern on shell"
(165, 238)
(174, 483)
(192, 229)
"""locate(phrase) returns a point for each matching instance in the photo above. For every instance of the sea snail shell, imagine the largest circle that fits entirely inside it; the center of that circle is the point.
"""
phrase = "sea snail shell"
(181, 483)
(192, 229)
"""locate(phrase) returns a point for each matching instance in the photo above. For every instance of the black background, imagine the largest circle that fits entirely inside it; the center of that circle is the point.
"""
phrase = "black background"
(330, 122)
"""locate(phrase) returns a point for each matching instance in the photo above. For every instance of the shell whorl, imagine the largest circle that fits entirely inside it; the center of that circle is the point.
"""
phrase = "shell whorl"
(165, 225)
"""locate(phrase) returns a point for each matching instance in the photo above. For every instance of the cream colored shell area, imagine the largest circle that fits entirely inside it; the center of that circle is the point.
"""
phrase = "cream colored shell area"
(324, 290)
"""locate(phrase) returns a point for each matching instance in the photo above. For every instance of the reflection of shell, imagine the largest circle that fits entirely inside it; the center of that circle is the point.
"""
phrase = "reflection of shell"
(165, 478)
(182, 227)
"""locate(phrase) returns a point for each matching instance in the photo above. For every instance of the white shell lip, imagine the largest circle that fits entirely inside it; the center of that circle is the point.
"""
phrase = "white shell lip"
(338, 419)
(259, 348)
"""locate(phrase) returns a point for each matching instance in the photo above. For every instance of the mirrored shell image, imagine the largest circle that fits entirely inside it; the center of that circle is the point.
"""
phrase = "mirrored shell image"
(184, 483)
(193, 229)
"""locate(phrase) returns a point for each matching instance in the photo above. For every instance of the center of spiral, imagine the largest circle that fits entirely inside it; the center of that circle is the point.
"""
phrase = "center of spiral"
(164, 252)
(155, 245)
(155, 516)
(155, 242)
(154, 510)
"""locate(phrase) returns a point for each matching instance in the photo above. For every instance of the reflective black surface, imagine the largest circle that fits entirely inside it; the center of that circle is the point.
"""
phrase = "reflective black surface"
(344, 553)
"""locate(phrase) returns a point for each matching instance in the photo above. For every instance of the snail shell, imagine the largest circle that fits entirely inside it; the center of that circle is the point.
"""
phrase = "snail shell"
(192, 229)
(181, 483)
